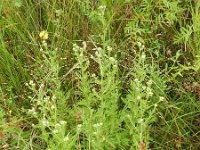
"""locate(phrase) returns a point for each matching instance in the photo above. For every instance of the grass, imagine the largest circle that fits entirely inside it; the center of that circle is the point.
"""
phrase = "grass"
(99, 74)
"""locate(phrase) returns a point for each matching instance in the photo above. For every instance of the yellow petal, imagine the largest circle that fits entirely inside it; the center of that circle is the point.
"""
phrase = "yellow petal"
(43, 35)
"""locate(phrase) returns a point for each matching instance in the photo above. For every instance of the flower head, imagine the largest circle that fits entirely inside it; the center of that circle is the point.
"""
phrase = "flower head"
(43, 35)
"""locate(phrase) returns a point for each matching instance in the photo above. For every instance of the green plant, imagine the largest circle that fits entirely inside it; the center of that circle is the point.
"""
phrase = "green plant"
(134, 79)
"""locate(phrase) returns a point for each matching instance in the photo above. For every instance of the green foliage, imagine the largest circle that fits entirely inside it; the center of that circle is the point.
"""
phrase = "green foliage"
(99, 74)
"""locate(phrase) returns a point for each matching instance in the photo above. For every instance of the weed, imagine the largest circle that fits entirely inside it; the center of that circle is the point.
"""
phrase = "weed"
(99, 74)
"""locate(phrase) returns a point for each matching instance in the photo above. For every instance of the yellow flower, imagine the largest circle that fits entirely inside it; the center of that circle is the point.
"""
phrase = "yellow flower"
(43, 35)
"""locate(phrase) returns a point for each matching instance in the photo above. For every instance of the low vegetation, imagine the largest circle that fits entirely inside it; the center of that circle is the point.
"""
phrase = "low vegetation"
(99, 75)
